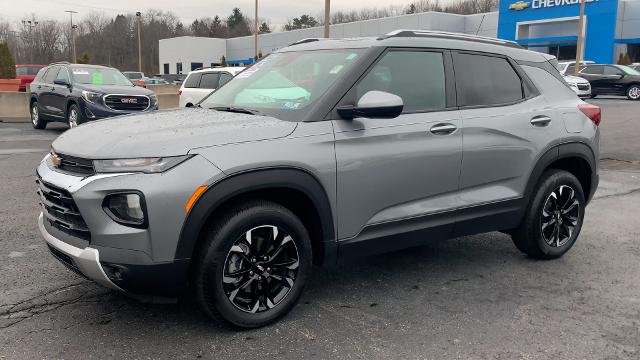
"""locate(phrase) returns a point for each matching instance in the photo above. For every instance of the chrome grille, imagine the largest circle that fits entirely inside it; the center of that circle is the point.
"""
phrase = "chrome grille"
(60, 210)
(127, 102)
(74, 165)
(583, 86)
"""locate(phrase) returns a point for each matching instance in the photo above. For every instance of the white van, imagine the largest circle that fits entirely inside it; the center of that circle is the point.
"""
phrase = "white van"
(199, 83)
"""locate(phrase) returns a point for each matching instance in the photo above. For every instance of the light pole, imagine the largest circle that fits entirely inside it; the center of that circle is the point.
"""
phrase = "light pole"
(327, 11)
(255, 37)
(30, 24)
(579, 45)
(73, 34)
(138, 15)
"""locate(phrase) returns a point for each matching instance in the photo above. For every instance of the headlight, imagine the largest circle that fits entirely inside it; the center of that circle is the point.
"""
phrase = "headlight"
(126, 208)
(154, 100)
(90, 96)
(143, 165)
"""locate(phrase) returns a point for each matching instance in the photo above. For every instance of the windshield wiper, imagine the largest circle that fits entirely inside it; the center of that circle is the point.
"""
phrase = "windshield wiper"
(235, 110)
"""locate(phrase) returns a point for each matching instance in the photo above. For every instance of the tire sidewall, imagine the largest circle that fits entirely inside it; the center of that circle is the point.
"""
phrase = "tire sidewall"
(41, 122)
(636, 86)
(79, 115)
(223, 240)
(552, 182)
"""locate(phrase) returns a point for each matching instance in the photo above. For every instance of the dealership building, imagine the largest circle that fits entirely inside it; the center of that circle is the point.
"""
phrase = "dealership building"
(611, 28)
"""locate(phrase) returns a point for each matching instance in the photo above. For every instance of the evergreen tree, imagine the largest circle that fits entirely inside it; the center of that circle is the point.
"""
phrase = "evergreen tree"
(264, 28)
(223, 61)
(7, 63)
(84, 58)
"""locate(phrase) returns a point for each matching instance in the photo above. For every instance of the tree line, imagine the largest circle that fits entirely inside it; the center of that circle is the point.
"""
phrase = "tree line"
(113, 40)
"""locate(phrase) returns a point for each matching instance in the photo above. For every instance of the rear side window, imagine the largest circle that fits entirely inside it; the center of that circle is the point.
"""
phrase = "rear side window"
(484, 80)
(416, 76)
(192, 80)
(209, 81)
(51, 75)
(593, 69)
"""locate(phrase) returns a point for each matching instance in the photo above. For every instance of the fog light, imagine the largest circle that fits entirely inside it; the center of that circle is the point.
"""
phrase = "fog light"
(126, 208)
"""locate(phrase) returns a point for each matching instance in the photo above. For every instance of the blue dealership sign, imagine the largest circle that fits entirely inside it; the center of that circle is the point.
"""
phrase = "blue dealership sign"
(540, 23)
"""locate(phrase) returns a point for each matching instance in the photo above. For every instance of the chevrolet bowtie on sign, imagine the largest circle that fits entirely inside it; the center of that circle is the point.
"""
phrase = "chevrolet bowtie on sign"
(520, 5)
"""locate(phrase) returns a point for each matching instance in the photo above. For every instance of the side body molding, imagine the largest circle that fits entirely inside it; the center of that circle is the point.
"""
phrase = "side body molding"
(260, 179)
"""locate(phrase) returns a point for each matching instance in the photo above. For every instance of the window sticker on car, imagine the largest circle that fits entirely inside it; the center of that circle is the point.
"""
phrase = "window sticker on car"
(96, 78)
(351, 56)
(80, 72)
(336, 69)
(291, 105)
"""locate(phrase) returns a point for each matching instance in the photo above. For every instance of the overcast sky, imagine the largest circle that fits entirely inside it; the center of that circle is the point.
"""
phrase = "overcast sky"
(278, 11)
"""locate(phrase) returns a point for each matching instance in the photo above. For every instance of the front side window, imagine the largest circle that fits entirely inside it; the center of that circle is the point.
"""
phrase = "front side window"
(416, 76)
(99, 76)
(51, 74)
(209, 81)
(284, 84)
(629, 70)
(612, 70)
(484, 80)
(63, 75)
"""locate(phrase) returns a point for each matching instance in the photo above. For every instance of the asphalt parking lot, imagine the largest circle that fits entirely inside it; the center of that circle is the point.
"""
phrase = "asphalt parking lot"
(473, 297)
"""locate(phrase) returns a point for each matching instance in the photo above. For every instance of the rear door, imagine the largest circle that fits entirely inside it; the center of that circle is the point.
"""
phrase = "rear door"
(208, 83)
(400, 175)
(506, 124)
(612, 80)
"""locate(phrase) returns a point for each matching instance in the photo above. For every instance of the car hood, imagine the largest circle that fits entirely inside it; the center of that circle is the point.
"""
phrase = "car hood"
(575, 79)
(166, 133)
(115, 89)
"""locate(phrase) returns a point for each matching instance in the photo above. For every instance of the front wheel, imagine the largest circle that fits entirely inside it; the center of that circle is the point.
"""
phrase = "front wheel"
(633, 92)
(74, 117)
(252, 265)
(554, 217)
(36, 119)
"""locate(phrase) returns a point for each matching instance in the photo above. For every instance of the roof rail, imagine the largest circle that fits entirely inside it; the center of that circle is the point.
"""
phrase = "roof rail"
(303, 41)
(204, 67)
(449, 35)
(60, 63)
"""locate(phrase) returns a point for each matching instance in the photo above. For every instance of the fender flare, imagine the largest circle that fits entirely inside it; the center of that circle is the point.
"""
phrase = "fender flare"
(237, 184)
(558, 152)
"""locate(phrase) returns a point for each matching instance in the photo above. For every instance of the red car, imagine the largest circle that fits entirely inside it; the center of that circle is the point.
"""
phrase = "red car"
(26, 73)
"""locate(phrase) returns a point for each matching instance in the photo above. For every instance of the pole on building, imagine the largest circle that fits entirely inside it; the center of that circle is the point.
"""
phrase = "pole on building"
(327, 17)
(255, 36)
(73, 34)
(138, 15)
(581, 35)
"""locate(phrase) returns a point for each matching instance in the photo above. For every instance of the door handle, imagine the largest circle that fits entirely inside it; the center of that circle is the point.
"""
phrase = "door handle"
(443, 129)
(540, 120)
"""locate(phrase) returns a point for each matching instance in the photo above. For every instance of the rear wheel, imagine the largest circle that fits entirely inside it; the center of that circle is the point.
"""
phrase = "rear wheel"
(253, 265)
(36, 120)
(74, 117)
(554, 218)
(633, 92)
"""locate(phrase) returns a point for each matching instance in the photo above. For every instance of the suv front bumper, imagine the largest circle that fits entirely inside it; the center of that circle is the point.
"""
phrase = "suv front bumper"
(86, 261)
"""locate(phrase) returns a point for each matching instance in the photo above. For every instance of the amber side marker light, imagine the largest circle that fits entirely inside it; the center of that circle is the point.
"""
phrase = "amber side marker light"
(194, 197)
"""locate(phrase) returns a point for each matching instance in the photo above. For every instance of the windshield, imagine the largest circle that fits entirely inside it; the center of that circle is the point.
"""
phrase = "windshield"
(282, 84)
(27, 70)
(99, 76)
(627, 70)
(133, 75)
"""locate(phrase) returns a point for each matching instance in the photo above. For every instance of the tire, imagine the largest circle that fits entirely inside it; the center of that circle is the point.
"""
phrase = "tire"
(74, 116)
(633, 92)
(550, 227)
(240, 300)
(36, 119)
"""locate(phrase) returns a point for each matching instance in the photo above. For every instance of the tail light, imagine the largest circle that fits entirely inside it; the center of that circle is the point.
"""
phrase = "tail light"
(592, 112)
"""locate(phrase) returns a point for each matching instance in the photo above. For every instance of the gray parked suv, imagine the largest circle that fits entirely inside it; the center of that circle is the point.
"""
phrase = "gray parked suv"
(322, 151)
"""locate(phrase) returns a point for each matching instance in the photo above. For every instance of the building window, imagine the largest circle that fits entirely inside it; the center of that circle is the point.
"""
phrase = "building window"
(196, 65)
(178, 68)
(166, 68)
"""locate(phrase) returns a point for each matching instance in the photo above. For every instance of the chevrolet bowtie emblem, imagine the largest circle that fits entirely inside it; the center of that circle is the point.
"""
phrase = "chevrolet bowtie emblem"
(520, 5)
(56, 160)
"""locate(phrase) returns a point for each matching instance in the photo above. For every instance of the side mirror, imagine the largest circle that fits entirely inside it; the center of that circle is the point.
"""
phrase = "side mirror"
(374, 104)
(61, 82)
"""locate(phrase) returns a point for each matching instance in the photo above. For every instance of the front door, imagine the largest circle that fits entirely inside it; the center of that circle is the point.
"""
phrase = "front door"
(393, 173)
